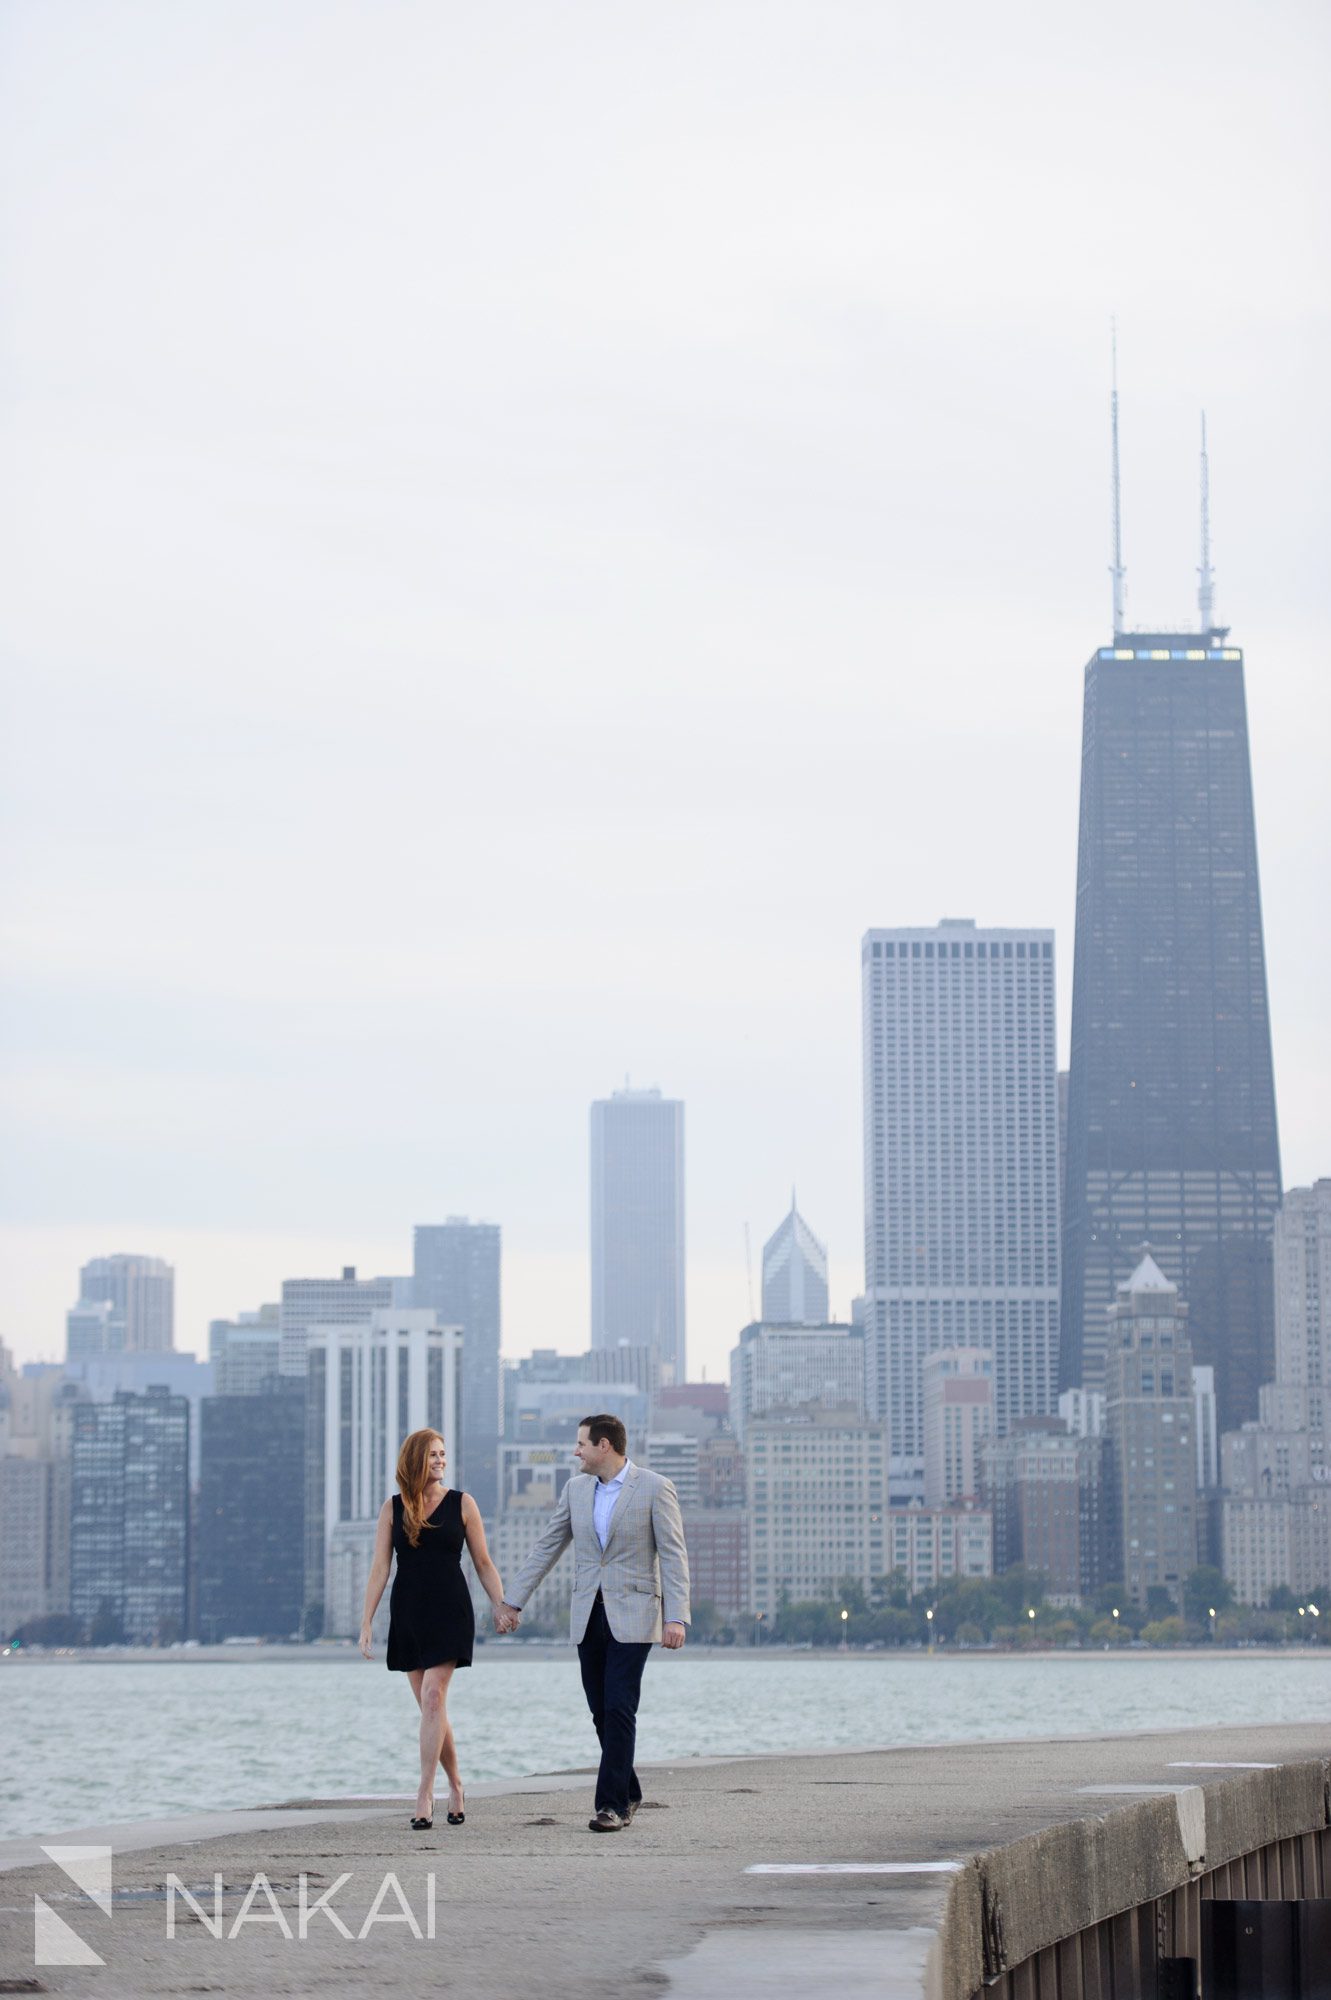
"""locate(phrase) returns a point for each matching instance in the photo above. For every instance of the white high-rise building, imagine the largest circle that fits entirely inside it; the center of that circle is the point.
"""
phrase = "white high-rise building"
(637, 1218)
(795, 1272)
(369, 1386)
(307, 1302)
(784, 1367)
(961, 1170)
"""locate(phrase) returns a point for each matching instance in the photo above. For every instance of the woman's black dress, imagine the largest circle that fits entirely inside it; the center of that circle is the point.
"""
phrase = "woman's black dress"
(430, 1619)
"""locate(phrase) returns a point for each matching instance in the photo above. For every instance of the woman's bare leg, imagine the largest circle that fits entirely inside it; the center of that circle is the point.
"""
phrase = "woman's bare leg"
(432, 1694)
(447, 1752)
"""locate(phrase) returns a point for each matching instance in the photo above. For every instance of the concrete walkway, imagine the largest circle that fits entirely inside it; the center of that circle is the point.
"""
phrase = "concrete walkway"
(802, 1875)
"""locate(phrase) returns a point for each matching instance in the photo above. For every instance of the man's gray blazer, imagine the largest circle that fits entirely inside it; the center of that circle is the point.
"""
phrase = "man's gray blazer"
(642, 1572)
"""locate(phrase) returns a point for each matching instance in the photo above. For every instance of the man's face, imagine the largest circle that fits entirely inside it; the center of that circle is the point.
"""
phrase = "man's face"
(591, 1457)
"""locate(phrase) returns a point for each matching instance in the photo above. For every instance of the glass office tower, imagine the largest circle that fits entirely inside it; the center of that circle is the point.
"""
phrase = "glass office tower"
(637, 1217)
(1171, 1135)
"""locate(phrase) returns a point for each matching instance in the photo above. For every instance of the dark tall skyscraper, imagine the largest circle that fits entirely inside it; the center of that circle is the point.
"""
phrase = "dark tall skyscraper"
(251, 1570)
(457, 1278)
(1171, 1114)
(1171, 1098)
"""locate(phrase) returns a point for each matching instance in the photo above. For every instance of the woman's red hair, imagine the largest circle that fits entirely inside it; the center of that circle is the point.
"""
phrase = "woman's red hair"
(413, 1478)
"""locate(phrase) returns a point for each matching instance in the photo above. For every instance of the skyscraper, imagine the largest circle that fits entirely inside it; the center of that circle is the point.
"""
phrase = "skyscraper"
(795, 1272)
(1149, 1413)
(129, 1515)
(961, 1170)
(252, 1511)
(637, 1216)
(457, 1278)
(1171, 1113)
(139, 1295)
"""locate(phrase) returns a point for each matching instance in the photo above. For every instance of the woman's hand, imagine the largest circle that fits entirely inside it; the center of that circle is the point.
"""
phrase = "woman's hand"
(366, 1642)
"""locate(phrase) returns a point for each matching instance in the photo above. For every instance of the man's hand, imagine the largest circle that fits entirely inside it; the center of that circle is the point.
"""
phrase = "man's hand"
(365, 1642)
(673, 1638)
(507, 1619)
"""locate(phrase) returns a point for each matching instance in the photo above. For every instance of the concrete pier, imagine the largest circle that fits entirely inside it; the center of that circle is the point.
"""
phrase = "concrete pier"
(873, 1873)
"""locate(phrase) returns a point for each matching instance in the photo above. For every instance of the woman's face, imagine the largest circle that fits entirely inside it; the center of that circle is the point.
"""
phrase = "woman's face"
(438, 1459)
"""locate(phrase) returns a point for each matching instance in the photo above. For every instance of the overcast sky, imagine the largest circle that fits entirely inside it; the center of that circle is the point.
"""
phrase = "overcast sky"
(527, 529)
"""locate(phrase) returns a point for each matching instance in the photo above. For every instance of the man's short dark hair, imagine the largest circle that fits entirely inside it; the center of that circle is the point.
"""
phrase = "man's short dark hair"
(608, 1430)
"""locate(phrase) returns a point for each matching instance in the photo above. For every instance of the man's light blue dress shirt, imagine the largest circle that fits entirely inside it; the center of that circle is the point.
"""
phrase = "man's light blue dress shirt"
(603, 1502)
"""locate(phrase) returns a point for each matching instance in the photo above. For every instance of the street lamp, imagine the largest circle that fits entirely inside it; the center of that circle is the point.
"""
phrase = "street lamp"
(844, 1616)
(1211, 1615)
(929, 1625)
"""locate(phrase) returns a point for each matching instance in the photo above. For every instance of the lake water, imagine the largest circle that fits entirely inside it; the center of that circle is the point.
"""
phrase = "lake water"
(85, 1742)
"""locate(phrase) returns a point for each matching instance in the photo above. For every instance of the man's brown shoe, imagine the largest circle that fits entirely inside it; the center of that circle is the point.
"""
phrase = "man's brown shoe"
(633, 1807)
(607, 1821)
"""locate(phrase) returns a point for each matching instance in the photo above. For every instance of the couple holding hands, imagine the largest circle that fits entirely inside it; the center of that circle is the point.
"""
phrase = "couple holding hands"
(630, 1592)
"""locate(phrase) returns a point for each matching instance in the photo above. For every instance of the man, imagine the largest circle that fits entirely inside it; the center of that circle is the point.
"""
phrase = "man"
(628, 1548)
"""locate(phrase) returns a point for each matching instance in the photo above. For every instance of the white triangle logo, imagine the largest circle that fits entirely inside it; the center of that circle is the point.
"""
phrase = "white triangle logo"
(55, 1943)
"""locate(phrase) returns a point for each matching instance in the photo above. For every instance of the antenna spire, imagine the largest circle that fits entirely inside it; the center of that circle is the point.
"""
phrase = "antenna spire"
(1116, 569)
(1205, 574)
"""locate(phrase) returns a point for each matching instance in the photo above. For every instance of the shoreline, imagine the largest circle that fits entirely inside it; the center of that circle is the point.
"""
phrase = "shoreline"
(343, 1652)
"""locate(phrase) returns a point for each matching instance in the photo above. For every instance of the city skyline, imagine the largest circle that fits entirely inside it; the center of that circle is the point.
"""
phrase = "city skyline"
(603, 609)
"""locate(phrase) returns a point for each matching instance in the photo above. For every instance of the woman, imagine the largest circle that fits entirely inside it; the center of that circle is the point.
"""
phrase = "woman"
(431, 1626)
